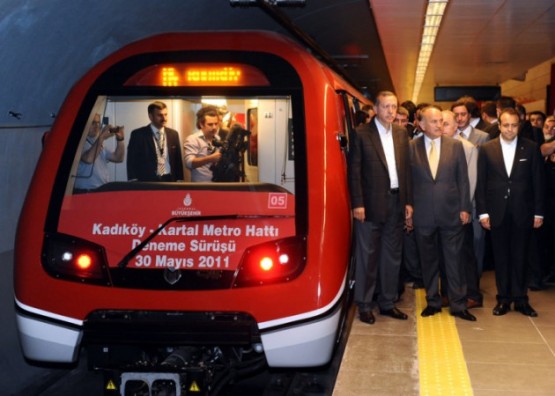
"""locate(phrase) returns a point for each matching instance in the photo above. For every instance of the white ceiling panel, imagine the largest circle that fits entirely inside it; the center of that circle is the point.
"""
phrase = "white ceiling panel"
(480, 42)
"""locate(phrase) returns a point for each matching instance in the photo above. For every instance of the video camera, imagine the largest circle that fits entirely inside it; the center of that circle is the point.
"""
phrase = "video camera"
(230, 166)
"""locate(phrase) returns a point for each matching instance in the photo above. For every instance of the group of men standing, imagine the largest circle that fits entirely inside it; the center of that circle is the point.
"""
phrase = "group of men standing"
(435, 185)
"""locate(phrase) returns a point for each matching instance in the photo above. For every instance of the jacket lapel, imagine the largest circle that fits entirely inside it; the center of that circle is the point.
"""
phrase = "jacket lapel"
(377, 142)
(421, 151)
(396, 147)
(498, 152)
(520, 154)
(149, 139)
(444, 152)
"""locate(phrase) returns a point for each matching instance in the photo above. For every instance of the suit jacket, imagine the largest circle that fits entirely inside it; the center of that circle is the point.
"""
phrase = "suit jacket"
(141, 155)
(492, 130)
(481, 125)
(369, 182)
(438, 203)
(527, 131)
(521, 193)
(477, 137)
(471, 155)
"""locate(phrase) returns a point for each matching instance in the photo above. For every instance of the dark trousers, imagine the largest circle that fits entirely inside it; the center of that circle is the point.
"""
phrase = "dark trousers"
(469, 264)
(509, 244)
(536, 259)
(378, 251)
(411, 260)
(479, 244)
(446, 242)
(548, 237)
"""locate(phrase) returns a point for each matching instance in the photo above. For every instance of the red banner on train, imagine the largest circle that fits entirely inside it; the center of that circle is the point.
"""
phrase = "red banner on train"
(205, 232)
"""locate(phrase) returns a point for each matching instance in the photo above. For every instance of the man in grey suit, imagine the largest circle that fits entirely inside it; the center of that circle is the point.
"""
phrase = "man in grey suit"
(467, 131)
(510, 202)
(441, 208)
(381, 191)
(477, 137)
(474, 296)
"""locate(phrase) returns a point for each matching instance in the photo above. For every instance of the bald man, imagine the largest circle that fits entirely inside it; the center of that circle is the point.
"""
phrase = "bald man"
(442, 206)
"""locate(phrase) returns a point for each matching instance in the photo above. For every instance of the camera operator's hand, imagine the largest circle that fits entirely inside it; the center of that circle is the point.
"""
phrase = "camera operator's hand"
(120, 134)
(215, 157)
(105, 133)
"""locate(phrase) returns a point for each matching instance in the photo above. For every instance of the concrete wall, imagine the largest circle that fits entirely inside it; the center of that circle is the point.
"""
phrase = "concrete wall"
(19, 151)
(532, 91)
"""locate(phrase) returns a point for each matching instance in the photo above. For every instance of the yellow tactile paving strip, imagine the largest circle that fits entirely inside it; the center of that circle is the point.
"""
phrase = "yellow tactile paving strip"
(440, 357)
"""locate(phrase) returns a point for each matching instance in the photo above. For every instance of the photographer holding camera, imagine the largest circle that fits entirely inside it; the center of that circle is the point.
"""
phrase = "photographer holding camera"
(92, 171)
(201, 152)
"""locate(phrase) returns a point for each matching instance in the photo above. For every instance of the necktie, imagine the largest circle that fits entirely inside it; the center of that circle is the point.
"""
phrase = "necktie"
(161, 159)
(433, 159)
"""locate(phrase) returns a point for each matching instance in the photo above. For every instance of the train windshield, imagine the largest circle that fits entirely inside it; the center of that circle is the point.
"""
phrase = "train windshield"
(136, 200)
(250, 199)
(254, 136)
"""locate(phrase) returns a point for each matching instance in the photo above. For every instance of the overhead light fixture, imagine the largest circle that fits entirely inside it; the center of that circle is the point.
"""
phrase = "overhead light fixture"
(432, 21)
(214, 102)
(285, 3)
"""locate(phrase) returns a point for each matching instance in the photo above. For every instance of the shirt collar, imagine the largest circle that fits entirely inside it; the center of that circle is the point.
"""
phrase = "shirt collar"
(466, 130)
(154, 130)
(506, 143)
(428, 140)
(381, 128)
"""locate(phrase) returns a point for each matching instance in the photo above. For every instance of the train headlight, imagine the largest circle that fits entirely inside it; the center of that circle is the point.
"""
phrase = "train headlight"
(272, 262)
(72, 258)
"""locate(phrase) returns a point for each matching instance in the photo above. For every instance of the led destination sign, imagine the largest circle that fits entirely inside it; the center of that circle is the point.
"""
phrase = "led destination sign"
(199, 74)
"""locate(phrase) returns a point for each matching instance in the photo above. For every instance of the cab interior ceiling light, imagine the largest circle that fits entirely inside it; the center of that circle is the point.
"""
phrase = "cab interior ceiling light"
(432, 21)
(285, 3)
(214, 102)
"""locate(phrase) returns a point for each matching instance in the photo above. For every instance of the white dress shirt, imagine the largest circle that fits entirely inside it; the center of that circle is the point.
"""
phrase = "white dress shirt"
(386, 137)
(509, 151)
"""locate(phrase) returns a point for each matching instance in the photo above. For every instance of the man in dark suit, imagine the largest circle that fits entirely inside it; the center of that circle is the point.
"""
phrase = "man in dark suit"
(525, 129)
(154, 151)
(380, 187)
(489, 115)
(510, 202)
(442, 207)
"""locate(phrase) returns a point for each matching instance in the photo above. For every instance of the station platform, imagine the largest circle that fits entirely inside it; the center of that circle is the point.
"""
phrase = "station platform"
(442, 355)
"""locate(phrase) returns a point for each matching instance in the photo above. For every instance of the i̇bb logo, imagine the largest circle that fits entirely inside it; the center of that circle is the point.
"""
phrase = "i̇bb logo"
(277, 201)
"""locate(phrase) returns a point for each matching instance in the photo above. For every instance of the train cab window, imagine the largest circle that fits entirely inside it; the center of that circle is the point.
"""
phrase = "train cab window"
(351, 105)
(254, 139)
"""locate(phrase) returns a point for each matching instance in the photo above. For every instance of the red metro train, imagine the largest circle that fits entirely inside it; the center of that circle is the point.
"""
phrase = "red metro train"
(173, 278)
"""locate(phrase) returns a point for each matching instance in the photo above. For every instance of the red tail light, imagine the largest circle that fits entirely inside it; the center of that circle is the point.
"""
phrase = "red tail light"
(72, 258)
(84, 261)
(271, 262)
